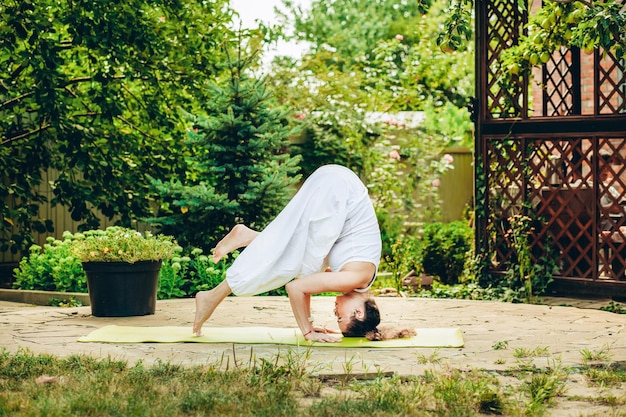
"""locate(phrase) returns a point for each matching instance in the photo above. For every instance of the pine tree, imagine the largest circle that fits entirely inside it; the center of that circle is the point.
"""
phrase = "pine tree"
(239, 170)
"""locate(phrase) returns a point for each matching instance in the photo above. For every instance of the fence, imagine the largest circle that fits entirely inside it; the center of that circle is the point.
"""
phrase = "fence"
(457, 185)
(59, 215)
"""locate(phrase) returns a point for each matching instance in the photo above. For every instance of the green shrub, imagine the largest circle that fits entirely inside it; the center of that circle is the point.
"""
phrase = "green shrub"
(183, 276)
(51, 268)
(56, 267)
(445, 249)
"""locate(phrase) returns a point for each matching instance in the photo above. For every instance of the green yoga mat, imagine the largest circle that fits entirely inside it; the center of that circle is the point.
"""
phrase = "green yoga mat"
(427, 337)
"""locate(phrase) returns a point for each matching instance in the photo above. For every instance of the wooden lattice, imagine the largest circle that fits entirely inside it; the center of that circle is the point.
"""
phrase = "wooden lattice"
(506, 197)
(611, 84)
(611, 81)
(503, 30)
(562, 162)
(557, 182)
(561, 94)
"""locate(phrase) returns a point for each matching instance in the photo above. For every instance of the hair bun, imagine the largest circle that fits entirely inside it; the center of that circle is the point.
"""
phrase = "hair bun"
(389, 332)
(374, 335)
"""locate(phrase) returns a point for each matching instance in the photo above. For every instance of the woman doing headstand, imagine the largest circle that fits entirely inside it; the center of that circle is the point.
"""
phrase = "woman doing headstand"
(327, 237)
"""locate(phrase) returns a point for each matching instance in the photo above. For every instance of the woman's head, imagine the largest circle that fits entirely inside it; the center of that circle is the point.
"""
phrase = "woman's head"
(357, 314)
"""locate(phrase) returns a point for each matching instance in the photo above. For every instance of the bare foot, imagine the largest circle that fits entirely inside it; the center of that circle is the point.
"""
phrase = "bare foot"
(238, 237)
(206, 302)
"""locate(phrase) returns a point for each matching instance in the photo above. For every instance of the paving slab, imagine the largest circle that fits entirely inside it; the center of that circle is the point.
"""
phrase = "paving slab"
(494, 334)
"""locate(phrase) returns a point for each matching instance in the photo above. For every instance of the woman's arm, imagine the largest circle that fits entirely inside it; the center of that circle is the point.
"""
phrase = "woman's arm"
(354, 275)
(300, 305)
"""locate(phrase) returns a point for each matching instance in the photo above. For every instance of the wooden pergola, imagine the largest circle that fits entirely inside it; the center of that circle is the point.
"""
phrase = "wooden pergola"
(551, 147)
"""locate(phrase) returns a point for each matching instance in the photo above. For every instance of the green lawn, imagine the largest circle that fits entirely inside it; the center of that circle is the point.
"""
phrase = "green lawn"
(44, 385)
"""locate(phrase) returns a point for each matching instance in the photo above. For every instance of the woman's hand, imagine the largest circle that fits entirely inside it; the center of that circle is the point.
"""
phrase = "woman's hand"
(324, 330)
(324, 337)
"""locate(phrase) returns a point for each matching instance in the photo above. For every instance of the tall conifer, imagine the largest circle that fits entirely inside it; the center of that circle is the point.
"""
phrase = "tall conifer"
(239, 171)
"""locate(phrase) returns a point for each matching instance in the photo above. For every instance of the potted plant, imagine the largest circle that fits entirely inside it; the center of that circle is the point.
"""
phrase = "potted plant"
(122, 268)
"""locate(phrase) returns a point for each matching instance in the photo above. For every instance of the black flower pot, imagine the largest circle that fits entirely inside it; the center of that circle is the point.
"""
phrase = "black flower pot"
(119, 289)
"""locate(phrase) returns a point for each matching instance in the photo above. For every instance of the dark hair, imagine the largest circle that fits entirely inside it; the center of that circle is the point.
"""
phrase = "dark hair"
(371, 319)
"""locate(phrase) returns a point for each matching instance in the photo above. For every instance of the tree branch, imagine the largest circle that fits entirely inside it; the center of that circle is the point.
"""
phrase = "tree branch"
(73, 81)
(15, 100)
(129, 123)
(24, 135)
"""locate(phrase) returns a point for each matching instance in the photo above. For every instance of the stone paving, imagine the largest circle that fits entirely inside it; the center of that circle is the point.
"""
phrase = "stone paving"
(563, 330)
(562, 327)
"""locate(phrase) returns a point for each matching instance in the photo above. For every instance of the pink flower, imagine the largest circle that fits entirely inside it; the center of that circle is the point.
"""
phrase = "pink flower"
(394, 155)
(300, 116)
(436, 182)
(448, 159)
(162, 19)
(399, 37)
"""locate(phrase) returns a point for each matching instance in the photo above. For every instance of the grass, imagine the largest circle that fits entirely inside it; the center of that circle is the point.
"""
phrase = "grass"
(530, 353)
(600, 370)
(500, 345)
(86, 386)
(33, 385)
(601, 355)
(543, 387)
(432, 358)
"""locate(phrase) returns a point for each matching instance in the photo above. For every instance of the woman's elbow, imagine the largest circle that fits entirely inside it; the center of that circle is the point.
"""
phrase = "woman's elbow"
(294, 289)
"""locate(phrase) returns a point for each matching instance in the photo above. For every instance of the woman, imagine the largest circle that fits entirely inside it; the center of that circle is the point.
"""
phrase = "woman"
(327, 237)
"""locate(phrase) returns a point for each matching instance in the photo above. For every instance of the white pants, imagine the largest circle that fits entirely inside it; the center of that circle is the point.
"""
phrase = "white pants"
(331, 219)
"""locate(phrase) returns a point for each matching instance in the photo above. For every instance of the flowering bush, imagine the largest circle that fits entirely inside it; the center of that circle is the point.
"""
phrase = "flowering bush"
(52, 267)
(118, 244)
